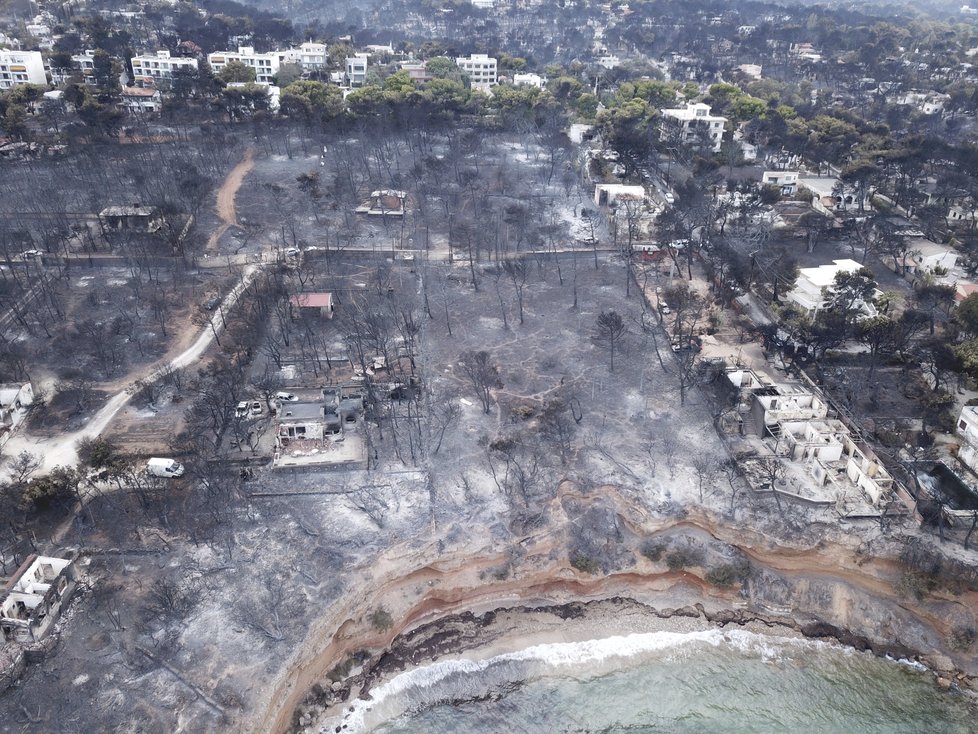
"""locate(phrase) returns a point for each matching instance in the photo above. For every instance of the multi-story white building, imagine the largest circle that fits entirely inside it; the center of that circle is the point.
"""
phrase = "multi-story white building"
(264, 65)
(21, 67)
(480, 68)
(692, 123)
(356, 70)
(310, 56)
(82, 64)
(149, 68)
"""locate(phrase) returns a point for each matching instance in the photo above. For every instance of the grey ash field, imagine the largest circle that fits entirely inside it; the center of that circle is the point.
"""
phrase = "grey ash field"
(174, 634)
(216, 604)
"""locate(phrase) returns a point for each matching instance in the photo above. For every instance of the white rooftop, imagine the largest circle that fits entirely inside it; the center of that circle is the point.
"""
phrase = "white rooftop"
(824, 275)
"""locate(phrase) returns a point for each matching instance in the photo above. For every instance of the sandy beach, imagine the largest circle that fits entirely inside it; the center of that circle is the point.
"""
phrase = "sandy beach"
(479, 637)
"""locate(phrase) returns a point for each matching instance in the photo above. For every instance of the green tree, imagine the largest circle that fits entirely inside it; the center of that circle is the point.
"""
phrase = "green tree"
(236, 72)
(442, 67)
(15, 121)
(26, 95)
(745, 108)
(287, 73)
(106, 71)
(849, 292)
(311, 100)
(966, 315)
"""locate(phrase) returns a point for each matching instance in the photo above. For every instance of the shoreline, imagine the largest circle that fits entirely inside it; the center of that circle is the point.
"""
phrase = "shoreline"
(824, 589)
(476, 637)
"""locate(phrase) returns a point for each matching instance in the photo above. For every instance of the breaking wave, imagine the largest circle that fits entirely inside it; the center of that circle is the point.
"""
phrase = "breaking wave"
(456, 681)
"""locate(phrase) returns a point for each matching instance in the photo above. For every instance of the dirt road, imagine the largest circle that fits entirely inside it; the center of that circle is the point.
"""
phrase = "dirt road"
(60, 450)
(226, 196)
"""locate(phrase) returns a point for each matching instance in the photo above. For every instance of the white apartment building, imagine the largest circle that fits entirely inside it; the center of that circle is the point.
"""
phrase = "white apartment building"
(83, 63)
(692, 121)
(21, 67)
(310, 56)
(148, 68)
(264, 65)
(484, 4)
(356, 70)
(480, 68)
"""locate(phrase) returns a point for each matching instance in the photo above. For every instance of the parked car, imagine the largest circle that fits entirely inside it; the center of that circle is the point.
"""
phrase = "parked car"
(256, 408)
(213, 302)
(286, 397)
(159, 467)
(241, 411)
(30, 254)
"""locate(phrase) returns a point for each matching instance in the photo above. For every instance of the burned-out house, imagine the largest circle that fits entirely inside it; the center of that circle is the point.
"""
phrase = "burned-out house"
(33, 599)
(306, 422)
(385, 202)
(138, 219)
(15, 400)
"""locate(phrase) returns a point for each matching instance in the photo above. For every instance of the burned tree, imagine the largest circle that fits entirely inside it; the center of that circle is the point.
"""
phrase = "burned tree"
(609, 331)
(483, 375)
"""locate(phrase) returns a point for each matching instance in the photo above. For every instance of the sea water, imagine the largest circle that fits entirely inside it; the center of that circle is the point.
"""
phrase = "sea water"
(728, 681)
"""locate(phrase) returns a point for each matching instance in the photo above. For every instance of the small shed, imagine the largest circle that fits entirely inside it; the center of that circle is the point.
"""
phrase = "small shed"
(319, 305)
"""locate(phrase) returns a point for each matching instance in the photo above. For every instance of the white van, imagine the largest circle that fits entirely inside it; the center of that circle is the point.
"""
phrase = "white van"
(164, 468)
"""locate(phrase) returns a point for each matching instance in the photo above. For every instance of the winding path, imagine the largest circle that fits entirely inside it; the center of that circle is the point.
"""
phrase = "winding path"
(60, 450)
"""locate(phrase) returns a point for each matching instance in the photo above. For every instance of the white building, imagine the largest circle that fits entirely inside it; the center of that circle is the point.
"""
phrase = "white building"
(265, 66)
(968, 430)
(772, 404)
(609, 194)
(310, 56)
(138, 100)
(82, 64)
(484, 4)
(356, 70)
(751, 71)
(924, 256)
(809, 291)
(21, 67)
(271, 91)
(480, 68)
(147, 68)
(693, 121)
(787, 180)
(33, 599)
(529, 80)
(15, 400)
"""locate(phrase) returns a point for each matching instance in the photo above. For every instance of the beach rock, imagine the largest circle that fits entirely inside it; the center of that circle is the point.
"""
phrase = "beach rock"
(940, 663)
(689, 611)
(824, 629)
(943, 682)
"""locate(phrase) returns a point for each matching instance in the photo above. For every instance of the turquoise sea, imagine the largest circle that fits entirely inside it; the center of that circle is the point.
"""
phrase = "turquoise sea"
(728, 681)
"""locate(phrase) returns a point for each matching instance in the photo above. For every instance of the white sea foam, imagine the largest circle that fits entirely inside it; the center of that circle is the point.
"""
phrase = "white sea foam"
(420, 685)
